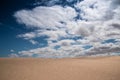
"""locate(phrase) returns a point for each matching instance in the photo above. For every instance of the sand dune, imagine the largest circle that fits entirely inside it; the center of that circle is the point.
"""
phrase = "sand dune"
(102, 68)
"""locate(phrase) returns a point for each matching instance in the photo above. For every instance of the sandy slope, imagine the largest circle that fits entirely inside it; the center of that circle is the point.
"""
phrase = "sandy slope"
(106, 68)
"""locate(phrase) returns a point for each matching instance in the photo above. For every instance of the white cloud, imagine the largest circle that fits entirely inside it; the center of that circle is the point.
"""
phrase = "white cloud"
(33, 41)
(27, 35)
(65, 42)
(12, 50)
(91, 9)
(45, 17)
(69, 51)
(13, 55)
(100, 21)
(103, 49)
(54, 35)
(73, 51)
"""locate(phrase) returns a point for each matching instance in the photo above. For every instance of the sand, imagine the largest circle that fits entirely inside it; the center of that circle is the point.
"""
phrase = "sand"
(100, 68)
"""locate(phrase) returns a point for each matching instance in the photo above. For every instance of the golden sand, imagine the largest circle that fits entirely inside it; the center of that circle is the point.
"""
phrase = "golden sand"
(100, 68)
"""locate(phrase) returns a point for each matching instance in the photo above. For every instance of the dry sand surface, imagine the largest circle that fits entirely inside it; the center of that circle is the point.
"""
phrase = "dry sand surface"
(100, 68)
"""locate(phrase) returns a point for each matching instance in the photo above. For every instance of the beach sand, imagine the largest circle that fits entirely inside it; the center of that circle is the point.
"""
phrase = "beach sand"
(99, 68)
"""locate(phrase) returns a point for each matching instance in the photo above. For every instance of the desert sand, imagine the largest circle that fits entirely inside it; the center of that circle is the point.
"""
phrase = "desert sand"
(99, 68)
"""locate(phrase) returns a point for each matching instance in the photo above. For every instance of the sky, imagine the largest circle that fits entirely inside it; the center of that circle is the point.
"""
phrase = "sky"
(59, 28)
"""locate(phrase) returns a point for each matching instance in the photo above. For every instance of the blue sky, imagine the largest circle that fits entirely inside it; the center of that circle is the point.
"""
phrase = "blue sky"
(59, 28)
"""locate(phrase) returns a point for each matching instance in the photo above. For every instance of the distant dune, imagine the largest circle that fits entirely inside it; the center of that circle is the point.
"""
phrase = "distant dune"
(100, 68)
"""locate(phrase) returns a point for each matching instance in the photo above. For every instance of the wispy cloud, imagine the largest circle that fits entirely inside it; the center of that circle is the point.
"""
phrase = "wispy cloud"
(99, 21)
